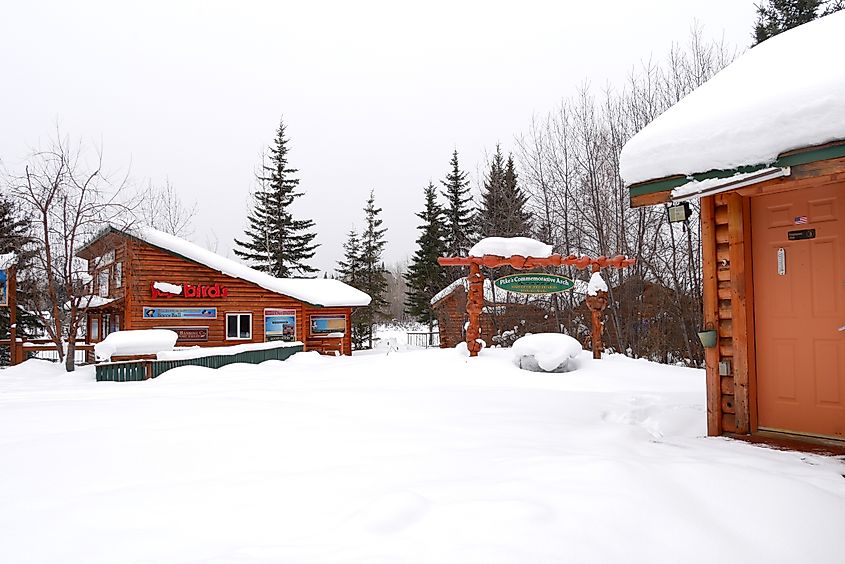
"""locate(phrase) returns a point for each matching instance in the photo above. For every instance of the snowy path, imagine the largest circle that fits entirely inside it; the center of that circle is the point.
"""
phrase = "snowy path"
(397, 458)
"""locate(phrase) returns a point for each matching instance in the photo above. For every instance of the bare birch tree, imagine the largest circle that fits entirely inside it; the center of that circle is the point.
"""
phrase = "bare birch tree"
(69, 197)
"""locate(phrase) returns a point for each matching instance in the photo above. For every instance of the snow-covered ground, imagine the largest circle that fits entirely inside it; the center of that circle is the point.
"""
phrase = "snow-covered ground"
(412, 456)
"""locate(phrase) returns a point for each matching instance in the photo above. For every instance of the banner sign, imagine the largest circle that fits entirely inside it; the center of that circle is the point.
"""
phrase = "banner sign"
(279, 324)
(180, 312)
(535, 283)
(189, 334)
(326, 324)
(4, 288)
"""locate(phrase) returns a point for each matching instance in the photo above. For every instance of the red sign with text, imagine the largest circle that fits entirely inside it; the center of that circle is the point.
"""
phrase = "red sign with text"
(191, 291)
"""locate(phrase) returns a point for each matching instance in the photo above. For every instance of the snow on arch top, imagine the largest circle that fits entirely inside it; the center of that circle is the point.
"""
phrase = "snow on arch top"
(786, 93)
(510, 246)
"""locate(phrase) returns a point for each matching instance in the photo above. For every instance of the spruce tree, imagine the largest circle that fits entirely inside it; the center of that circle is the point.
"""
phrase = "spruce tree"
(424, 276)
(349, 268)
(777, 16)
(349, 271)
(503, 211)
(516, 217)
(275, 242)
(15, 239)
(373, 280)
(457, 213)
(487, 216)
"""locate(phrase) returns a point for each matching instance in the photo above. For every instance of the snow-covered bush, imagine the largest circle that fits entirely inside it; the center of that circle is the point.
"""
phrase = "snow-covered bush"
(546, 352)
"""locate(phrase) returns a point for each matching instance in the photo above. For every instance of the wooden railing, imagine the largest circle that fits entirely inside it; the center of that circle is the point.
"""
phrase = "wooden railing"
(84, 351)
(422, 339)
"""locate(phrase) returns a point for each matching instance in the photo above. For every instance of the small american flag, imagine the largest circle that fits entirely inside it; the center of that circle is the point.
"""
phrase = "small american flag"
(801, 220)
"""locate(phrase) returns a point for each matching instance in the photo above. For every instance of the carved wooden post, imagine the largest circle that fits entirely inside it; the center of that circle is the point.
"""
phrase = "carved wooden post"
(12, 301)
(475, 295)
(597, 304)
(475, 303)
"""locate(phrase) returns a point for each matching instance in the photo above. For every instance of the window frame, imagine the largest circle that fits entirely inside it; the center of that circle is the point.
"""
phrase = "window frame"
(237, 315)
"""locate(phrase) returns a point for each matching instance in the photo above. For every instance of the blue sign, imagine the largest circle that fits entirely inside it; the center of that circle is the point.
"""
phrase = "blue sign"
(4, 288)
(180, 312)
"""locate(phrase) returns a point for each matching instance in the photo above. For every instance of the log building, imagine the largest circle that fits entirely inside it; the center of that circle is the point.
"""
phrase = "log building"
(146, 279)
(765, 157)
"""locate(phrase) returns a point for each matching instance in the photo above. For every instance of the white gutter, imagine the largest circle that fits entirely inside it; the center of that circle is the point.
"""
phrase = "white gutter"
(698, 188)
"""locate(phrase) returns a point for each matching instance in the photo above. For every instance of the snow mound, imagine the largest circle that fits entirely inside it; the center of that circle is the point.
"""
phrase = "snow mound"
(546, 352)
(189, 353)
(510, 246)
(141, 341)
(596, 284)
(786, 93)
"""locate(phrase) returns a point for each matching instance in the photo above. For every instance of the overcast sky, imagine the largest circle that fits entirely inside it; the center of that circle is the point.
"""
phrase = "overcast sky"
(376, 95)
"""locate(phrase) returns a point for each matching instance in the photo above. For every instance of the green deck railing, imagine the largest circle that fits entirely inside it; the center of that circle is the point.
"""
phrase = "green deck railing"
(137, 370)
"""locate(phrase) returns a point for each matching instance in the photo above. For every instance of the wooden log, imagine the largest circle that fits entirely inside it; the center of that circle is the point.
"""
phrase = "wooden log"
(728, 423)
(711, 315)
(475, 303)
(12, 299)
(739, 309)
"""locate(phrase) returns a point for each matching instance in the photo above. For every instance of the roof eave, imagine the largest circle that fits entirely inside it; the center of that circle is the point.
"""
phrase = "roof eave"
(833, 150)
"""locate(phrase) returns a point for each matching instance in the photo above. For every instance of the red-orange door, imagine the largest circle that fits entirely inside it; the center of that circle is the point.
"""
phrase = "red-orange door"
(798, 246)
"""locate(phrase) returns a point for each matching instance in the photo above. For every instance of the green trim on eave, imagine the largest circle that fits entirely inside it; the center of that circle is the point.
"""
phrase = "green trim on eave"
(794, 159)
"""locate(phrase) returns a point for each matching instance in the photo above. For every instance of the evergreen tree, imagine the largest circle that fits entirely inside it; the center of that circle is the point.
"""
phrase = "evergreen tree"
(458, 213)
(349, 268)
(503, 210)
(15, 239)
(516, 217)
(777, 16)
(487, 215)
(349, 271)
(275, 242)
(373, 280)
(424, 276)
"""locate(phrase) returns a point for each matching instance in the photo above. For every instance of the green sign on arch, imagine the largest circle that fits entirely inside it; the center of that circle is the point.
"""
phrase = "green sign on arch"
(534, 283)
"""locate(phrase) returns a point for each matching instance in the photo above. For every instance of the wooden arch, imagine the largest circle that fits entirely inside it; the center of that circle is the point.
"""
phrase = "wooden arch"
(475, 294)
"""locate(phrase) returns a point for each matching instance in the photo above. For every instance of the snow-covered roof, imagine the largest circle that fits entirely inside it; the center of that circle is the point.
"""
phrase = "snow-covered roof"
(510, 246)
(317, 291)
(90, 301)
(786, 93)
(462, 282)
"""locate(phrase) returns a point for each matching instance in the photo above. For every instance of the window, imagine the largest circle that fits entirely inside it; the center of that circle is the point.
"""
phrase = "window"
(95, 332)
(238, 326)
(104, 283)
(118, 275)
(106, 325)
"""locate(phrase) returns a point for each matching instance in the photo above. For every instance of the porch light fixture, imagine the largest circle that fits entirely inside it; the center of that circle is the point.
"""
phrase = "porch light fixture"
(679, 213)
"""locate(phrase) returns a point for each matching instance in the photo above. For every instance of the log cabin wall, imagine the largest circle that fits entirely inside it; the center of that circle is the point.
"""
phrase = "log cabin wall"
(729, 290)
(728, 300)
(143, 264)
(149, 264)
(451, 316)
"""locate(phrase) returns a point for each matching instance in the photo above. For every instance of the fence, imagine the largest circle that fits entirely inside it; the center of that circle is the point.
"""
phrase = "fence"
(136, 370)
(46, 349)
(424, 339)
